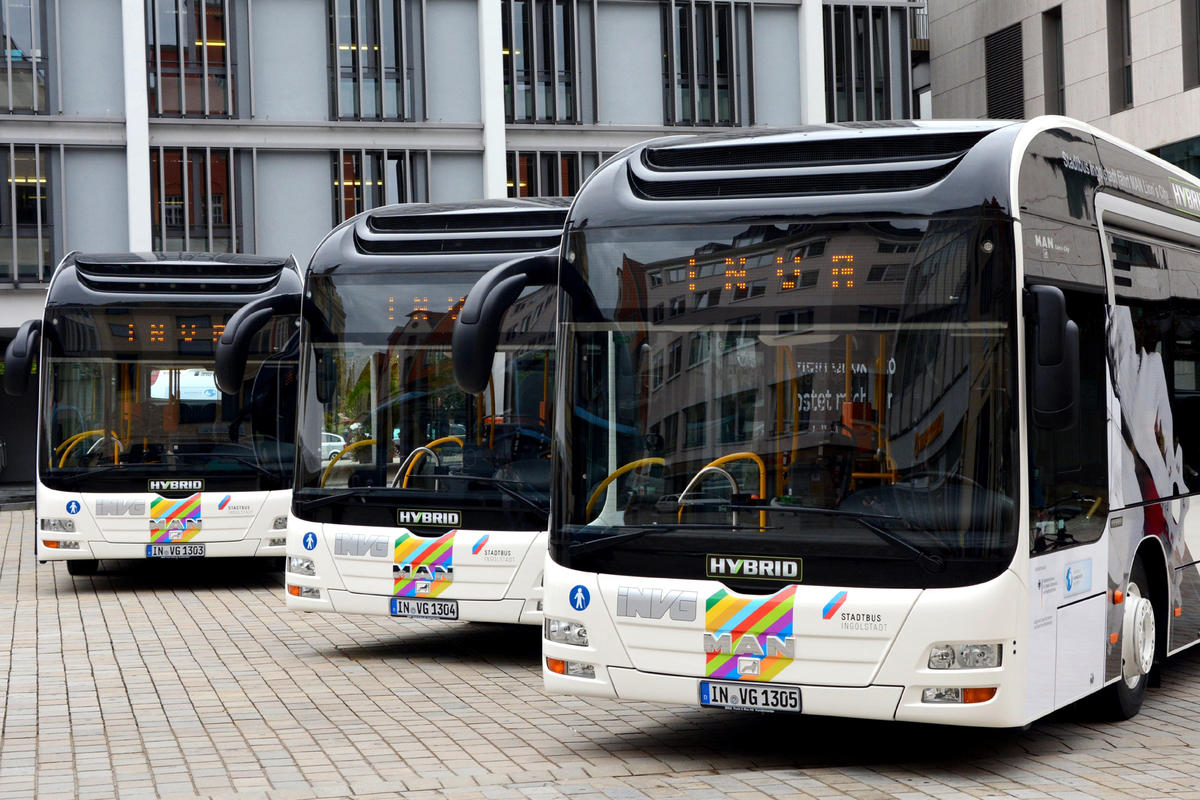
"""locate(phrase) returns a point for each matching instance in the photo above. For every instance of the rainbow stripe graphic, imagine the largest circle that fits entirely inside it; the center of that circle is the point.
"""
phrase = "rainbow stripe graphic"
(748, 616)
(174, 521)
(224, 502)
(424, 567)
(479, 545)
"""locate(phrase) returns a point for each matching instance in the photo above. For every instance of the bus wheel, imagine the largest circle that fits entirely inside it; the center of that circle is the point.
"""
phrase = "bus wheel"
(1139, 632)
(83, 567)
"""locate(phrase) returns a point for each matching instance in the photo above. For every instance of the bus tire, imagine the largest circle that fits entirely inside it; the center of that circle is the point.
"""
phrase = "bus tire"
(83, 567)
(1140, 628)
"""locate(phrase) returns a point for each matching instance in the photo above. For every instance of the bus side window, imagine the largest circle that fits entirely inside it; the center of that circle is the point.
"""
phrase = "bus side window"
(1068, 468)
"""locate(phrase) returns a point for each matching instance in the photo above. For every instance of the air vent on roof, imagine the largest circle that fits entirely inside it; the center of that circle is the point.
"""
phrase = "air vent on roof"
(794, 185)
(812, 152)
(496, 232)
(190, 277)
(820, 161)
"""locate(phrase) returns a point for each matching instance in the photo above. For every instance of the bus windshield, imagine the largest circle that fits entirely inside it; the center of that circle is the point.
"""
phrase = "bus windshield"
(840, 394)
(385, 430)
(129, 397)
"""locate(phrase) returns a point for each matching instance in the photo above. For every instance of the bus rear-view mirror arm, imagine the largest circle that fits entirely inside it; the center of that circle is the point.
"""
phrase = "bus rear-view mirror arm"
(21, 353)
(477, 329)
(1053, 352)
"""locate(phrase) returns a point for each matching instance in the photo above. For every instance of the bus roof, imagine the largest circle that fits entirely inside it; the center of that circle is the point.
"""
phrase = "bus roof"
(475, 234)
(855, 169)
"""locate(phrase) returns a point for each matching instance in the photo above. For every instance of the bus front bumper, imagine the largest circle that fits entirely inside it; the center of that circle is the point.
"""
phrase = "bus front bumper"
(87, 550)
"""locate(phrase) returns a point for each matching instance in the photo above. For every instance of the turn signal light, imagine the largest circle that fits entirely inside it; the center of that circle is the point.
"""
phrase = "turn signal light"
(1118, 597)
(556, 665)
(979, 695)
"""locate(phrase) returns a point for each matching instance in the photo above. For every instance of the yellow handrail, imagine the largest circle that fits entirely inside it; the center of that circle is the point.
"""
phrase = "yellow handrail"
(762, 479)
(421, 454)
(340, 453)
(71, 441)
(632, 465)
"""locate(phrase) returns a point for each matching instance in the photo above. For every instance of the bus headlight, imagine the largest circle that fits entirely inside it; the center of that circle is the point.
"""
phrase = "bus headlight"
(955, 694)
(279, 523)
(58, 525)
(573, 669)
(564, 632)
(310, 592)
(301, 566)
(965, 656)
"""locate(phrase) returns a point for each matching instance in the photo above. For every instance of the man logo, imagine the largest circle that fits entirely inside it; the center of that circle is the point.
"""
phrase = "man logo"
(759, 569)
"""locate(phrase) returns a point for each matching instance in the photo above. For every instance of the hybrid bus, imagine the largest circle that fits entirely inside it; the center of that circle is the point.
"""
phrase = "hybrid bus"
(139, 455)
(413, 498)
(894, 421)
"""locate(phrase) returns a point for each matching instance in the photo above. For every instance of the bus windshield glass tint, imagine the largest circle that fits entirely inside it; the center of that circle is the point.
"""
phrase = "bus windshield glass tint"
(382, 410)
(129, 396)
(838, 393)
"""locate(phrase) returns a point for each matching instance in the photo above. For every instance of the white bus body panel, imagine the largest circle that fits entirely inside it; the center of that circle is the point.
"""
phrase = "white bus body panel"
(866, 656)
(117, 524)
(496, 575)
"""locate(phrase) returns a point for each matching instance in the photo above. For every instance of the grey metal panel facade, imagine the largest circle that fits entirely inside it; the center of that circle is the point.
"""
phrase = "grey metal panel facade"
(290, 60)
(91, 60)
(97, 207)
(294, 202)
(777, 65)
(455, 176)
(629, 64)
(452, 30)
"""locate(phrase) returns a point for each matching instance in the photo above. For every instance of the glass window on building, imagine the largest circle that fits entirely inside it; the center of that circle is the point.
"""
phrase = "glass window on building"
(705, 46)
(199, 197)
(550, 174)
(23, 26)
(541, 60)
(366, 179)
(376, 59)
(867, 72)
(190, 58)
(26, 221)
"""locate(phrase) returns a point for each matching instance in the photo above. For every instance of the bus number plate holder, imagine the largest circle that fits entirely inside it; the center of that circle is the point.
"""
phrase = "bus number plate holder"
(174, 551)
(746, 696)
(429, 609)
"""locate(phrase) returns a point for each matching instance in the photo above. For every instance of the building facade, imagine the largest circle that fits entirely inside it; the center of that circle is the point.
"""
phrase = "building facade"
(256, 126)
(1129, 67)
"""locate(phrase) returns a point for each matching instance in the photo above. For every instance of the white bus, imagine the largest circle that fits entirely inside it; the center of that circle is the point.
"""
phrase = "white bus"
(139, 454)
(896, 422)
(413, 498)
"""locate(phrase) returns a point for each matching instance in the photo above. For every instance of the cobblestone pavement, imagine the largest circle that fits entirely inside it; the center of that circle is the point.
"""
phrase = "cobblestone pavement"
(186, 679)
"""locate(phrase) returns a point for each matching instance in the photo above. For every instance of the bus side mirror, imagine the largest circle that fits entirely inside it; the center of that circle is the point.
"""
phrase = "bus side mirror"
(477, 329)
(1053, 353)
(234, 345)
(20, 355)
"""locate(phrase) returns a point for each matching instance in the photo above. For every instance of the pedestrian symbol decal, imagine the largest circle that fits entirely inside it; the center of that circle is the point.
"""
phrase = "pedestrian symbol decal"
(310, 541)
(580, 597)
(73, 507)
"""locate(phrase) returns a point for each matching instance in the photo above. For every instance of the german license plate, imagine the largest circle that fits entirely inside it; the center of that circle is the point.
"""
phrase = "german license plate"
(430, 609)
(748, 696)
(174, 551)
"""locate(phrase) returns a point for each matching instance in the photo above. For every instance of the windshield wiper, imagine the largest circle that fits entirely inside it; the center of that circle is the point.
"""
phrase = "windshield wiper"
(261, 469)
(504, 485)
(73, 478)
(309, 503)
(578, 548)
(930, 562)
